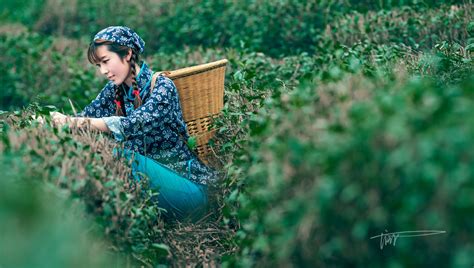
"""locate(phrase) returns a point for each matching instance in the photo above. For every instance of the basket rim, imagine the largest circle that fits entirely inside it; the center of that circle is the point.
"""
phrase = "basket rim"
(188, 71)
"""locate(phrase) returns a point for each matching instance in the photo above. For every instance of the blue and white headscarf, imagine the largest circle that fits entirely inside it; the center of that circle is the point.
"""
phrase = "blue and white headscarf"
(123, 36)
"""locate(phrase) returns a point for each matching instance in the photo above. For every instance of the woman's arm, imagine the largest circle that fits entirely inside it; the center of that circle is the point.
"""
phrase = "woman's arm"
(60, 119)
(162, 107)
(102, 105)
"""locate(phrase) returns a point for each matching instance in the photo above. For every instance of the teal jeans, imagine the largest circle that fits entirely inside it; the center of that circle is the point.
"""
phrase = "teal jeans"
(181, 198)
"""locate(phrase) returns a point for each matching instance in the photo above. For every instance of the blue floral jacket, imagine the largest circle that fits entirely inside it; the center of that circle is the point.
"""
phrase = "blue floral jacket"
(156, 129)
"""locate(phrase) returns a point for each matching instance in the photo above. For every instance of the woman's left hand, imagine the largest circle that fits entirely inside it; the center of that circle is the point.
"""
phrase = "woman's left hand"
(59, 119)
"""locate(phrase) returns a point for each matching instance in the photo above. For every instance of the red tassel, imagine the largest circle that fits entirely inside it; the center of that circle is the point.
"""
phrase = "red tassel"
(136, 92)
(119, 105)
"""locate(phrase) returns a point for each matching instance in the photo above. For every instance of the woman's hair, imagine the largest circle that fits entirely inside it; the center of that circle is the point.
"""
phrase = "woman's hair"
(122, 52)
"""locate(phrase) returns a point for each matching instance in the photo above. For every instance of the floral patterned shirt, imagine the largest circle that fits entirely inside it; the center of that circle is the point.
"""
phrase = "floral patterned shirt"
(156, 129)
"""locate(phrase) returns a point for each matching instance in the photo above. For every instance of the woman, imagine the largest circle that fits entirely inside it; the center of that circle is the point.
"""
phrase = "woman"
(148, 121)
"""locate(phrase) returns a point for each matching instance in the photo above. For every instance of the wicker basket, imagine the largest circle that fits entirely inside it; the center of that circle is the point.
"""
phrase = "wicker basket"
(201, 94)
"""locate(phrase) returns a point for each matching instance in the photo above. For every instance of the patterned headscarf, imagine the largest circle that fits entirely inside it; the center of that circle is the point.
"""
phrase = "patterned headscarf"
(123, 36)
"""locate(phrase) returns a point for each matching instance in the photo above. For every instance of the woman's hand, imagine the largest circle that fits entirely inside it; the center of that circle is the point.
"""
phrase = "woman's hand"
(59, 119)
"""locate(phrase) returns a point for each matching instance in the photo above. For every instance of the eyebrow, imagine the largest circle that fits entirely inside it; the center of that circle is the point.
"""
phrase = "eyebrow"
(100, 59)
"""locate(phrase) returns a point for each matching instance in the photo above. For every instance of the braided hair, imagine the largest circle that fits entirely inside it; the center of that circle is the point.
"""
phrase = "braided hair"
(122, 52)
(137, 102)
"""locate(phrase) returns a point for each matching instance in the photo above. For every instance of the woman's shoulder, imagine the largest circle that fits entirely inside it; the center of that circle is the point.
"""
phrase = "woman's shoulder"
(164, 85)
(164, 89)
(162, 79)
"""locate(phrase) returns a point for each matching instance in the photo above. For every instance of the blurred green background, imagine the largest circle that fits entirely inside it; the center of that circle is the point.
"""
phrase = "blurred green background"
(41, 227)
(342, 119)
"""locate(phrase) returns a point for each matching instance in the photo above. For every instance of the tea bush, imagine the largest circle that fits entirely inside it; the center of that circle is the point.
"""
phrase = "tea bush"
(81, 166)
(355, 160)
(267, 138)
(45, 69)
(274, 27)
(420, 30)
(169, 25)
(41, 227)
(54, 69)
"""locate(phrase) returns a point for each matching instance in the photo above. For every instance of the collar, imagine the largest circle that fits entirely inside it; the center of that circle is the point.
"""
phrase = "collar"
(143, 81)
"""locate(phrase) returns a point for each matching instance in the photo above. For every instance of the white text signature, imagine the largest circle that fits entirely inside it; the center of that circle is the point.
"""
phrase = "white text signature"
(391, 238)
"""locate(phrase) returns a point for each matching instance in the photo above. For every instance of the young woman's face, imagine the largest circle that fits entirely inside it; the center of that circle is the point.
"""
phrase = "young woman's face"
(113, 67)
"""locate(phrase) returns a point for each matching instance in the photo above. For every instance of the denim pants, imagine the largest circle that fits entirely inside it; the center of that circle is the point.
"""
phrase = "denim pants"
(181, 198)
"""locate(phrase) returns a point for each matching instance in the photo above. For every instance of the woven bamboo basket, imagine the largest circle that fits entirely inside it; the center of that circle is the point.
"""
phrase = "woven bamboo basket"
(201, 94)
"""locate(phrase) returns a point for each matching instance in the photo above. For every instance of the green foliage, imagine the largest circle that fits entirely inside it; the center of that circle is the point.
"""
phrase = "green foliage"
(41, 227)
(274, 27)
(342, 119)
(320, 182)
(50, 70)
(366, 5)
(295, 179)
(450, 63)
(81, 166)
(166, 24)
(419, 29)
